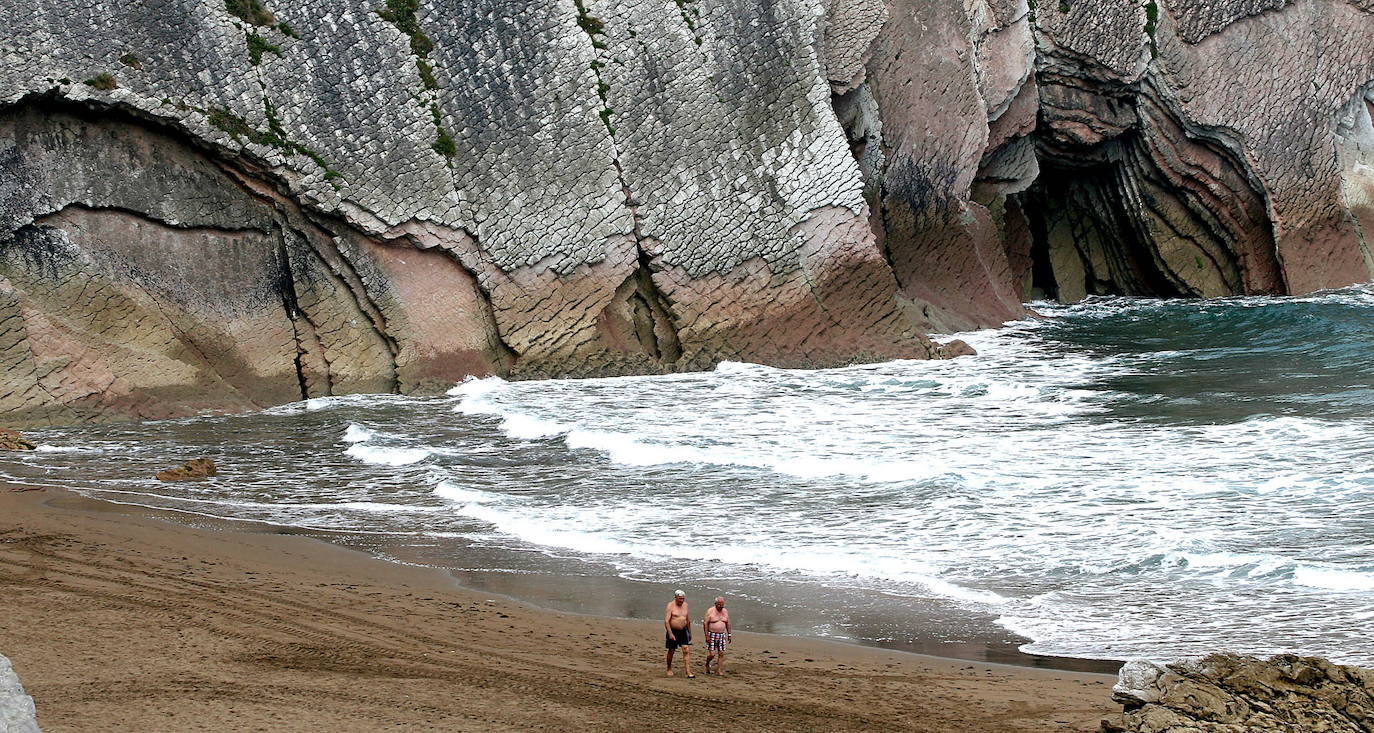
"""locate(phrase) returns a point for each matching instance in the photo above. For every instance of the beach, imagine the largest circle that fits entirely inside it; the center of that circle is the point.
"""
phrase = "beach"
(124, 618)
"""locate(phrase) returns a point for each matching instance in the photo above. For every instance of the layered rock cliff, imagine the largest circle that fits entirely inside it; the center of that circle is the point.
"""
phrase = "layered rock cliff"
(223, 204)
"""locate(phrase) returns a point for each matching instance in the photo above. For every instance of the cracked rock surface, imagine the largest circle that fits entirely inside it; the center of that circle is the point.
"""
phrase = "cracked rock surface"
(206, 210)
(1232, 694)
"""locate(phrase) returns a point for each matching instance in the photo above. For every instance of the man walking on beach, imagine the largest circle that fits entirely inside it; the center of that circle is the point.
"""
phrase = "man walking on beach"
(716, 625)
(677, 627)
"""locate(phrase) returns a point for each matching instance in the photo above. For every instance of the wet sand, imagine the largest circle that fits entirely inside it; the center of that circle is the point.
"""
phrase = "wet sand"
(117, 619)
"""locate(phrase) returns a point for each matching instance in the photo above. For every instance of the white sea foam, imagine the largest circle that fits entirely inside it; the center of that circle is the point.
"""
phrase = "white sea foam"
(385, 456)
(357, 434)
(1333, 579)
(477, 386)
(1123, 480)
(462, 495)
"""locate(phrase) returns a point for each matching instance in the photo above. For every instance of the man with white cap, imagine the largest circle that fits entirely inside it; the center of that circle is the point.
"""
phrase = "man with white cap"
(677, 627)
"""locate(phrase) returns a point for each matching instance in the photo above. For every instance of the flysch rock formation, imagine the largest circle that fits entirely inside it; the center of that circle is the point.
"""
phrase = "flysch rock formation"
(16, 708)
(1232, 694)
(215, 205)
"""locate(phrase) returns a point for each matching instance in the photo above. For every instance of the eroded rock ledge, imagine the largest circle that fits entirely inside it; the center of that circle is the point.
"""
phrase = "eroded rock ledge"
(1232, 694)
(220, 206)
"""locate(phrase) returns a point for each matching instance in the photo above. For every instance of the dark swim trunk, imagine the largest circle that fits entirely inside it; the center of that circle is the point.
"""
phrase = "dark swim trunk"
(679, 637)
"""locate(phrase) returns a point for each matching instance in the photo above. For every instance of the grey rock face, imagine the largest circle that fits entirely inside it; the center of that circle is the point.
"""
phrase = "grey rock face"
(208, 211)
(16, 708)
(1231, 694)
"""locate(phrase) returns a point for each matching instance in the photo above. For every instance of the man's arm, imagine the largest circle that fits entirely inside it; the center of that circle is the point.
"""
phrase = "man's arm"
(727, 625)
(667, 619)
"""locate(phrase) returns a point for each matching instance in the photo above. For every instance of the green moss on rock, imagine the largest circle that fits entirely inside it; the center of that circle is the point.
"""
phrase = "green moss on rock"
(257, 46)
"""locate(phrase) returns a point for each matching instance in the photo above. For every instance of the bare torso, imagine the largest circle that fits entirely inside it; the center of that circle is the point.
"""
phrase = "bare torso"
(678, 616)
(717, 620)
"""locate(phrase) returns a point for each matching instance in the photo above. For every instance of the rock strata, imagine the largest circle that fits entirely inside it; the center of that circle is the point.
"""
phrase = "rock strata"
(210, 206)
(192, 469)
(11, 440)
(1232, 694)
(16, 707)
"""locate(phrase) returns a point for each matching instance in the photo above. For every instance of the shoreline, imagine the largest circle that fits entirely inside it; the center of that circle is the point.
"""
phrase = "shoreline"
(220, 583)
(982, 651)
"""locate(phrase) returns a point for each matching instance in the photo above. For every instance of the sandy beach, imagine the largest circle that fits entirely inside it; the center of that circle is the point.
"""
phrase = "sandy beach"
(117, 619)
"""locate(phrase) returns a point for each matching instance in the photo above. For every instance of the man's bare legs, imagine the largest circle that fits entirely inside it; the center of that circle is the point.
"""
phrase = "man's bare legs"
(720, 663)
(686, 661)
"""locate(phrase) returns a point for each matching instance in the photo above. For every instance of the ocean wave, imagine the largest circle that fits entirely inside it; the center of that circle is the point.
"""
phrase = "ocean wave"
(1333, 579)
(579, 531)
(386, 456)
(462, 495)
(357, 434)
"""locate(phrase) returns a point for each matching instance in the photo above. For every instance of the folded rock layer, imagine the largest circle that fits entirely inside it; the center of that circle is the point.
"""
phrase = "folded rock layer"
(211, 205)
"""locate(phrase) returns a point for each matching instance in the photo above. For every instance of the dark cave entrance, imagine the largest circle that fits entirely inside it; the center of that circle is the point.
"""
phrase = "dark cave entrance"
(1087, 237)
(1135, 203)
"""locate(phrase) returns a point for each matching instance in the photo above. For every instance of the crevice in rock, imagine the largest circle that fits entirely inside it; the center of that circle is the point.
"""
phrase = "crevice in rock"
(312, 227)
(148, 217)
(302, 327)
(650, 315)
(649, 309)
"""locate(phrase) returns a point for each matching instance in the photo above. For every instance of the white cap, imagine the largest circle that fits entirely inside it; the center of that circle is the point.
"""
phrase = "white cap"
(680, 593)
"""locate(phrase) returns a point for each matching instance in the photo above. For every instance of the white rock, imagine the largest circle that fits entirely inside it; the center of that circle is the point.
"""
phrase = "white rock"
(16, 708)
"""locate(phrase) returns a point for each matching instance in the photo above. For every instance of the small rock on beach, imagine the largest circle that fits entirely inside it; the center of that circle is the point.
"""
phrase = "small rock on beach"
(192, 469)
(11, 440)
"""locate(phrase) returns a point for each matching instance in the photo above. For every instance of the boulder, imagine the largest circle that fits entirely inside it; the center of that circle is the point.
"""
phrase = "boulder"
(16, 708)
(192, 469)
(11, 440)
(957, 348)
(1226, 693)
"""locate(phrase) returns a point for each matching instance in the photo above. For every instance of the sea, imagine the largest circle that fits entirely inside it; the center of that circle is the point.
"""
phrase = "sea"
(1120, 478)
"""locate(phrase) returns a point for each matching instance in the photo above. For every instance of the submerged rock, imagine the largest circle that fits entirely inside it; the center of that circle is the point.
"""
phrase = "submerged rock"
(11, 440)
(192, 469)
(957, 348)
(1225, 693)
(17, 713)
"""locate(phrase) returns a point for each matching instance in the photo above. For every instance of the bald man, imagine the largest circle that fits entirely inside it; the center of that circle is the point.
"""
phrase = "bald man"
(716, 626)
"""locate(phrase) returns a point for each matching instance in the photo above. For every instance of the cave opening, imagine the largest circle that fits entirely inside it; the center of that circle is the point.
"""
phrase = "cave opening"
(1151, 210)
(1087, 236)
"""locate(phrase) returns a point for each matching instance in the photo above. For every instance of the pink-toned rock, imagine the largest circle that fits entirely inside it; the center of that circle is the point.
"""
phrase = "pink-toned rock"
(957, 348)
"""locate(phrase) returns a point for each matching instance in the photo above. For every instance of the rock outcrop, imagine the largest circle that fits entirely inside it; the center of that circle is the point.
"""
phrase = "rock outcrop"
(214, 206)
(192, 469)
(11, 440)
(1231, 694)
(16, 707)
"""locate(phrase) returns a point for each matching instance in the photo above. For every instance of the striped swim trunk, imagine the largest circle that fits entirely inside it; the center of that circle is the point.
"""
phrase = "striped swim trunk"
(715, 642)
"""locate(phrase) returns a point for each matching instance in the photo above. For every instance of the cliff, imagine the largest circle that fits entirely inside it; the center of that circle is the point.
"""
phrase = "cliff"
(223, 204)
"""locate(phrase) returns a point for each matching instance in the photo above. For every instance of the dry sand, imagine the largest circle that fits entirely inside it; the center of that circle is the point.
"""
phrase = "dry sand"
(117, 619)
